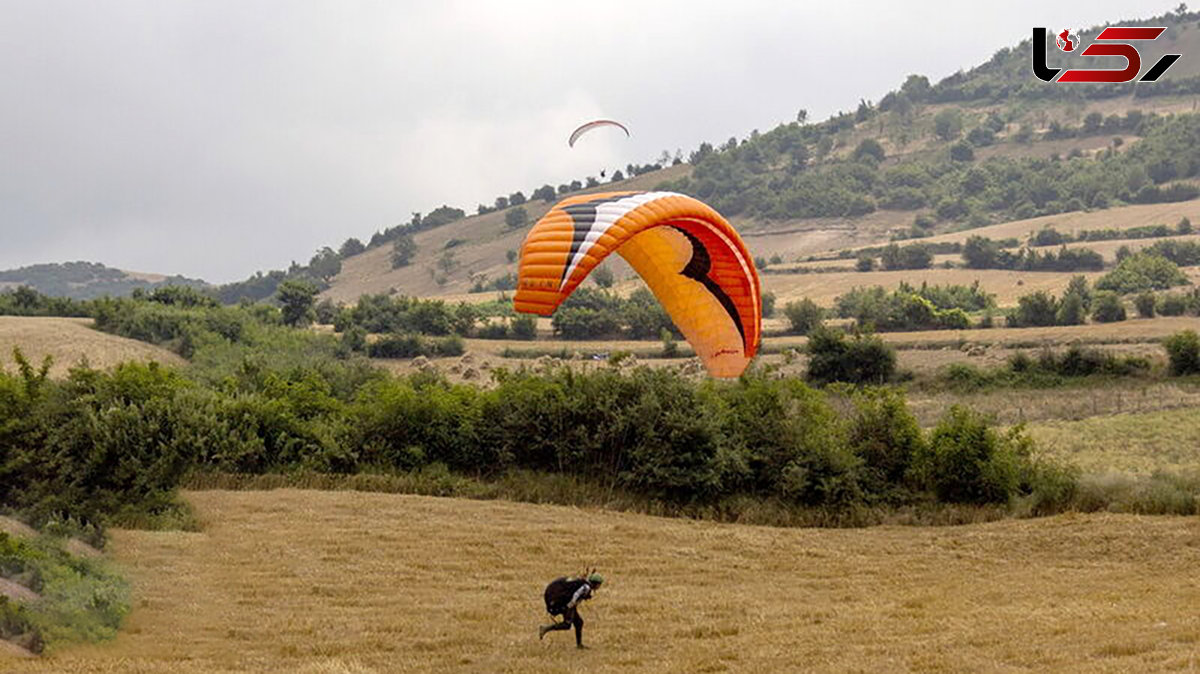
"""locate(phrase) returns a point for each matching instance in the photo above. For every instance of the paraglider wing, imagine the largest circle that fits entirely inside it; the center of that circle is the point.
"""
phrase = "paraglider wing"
(691, 258)
(592, 125)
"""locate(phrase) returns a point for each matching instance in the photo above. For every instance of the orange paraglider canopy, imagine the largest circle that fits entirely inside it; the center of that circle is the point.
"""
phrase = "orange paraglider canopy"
(691, 258)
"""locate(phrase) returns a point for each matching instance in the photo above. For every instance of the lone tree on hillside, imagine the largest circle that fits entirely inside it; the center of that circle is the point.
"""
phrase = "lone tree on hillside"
(516, 218)
(403, 249)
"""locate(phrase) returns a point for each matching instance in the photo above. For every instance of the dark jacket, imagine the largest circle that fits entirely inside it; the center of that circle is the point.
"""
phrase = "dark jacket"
(565, 593)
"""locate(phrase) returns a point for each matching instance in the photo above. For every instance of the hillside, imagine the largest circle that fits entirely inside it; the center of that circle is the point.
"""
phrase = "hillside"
(315, 581)
(979, 149)
(87, 280)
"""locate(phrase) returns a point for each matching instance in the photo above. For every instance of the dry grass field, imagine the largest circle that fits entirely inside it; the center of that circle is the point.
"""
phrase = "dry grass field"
(305, 581)
(71, 340)
(1126, 443)
(1007, 285)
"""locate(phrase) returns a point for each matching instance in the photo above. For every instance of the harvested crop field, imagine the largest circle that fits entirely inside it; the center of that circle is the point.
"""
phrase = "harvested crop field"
(308, 581)
(71, 340)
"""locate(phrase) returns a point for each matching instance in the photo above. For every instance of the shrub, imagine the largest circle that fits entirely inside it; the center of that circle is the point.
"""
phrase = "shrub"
(966, 461)
(1140, 272)
(1183, 351)
(1071, 310)
(524, 327)
(1172, 304)
(864, 359)
(1107, 307)
(409, 345)
(886, 436)
(768, 304)
(1036, 309)
(1145, 303)
(803, 316)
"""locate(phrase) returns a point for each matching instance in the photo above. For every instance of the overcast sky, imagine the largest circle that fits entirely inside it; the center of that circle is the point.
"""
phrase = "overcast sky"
(216, 138)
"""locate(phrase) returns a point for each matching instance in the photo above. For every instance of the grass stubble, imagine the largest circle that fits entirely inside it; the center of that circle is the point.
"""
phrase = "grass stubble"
(319, 581)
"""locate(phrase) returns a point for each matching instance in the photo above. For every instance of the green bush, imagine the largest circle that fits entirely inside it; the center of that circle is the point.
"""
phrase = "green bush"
(885, 435)
(966, 461)
(1172, 304)
(1145, 303)
(864, 359)
(803, 316)
(524, 327)
(1141, 272)
(1036, 309)
(1183, 351)
(409, 345)
(1107, 307)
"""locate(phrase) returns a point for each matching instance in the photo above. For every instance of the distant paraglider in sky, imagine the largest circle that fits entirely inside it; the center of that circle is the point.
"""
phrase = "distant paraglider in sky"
(691, 258)
(595, 124)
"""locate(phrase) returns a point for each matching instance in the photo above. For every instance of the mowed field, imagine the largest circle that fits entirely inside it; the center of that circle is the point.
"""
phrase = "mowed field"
(307, 581)
(71, 341)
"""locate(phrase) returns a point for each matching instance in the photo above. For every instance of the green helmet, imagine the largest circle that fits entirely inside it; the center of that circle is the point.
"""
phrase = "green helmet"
(595, 579)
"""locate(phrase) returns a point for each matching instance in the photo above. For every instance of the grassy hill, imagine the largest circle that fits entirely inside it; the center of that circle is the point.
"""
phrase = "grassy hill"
(87, 280)
(861, 178)
(317, 581)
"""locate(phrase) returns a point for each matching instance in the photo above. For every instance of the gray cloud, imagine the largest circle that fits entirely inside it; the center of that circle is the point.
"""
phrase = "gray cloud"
(217, 138)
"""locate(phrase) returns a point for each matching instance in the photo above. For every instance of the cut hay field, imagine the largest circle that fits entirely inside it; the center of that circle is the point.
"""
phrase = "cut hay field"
(71, 340)
(307, 581)
(1007, 285)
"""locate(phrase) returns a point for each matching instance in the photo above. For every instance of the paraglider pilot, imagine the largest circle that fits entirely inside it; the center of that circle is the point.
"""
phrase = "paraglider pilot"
(562, 599)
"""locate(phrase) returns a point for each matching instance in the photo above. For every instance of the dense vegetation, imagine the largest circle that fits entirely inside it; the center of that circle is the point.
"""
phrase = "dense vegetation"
(1048, 369)
(81, 598)
(928, 307)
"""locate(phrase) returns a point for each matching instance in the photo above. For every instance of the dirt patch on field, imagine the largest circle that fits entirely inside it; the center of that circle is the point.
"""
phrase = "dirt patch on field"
(71, 341)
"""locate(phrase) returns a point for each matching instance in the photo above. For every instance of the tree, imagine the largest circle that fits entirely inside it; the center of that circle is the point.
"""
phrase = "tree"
(948, 124)
(296, 300)
(916, 88)
(1078, 285)
(1072, 311)
(1145, 302)
(865, 359)
(865, 263)
(980, 252)
(545, 193)
(1093, 122)
(516, 218)
(510, 255)
(501, 203)
(803, 316)
(516, 198)
(869, 147)
(802, 116)
(603, 276)
(768, 304)
(351, 247)
(447, 262)
(1037, 309)
(1107, 307)
(1183, 350)
(325, 264)
(403, 250)
(962, 151)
